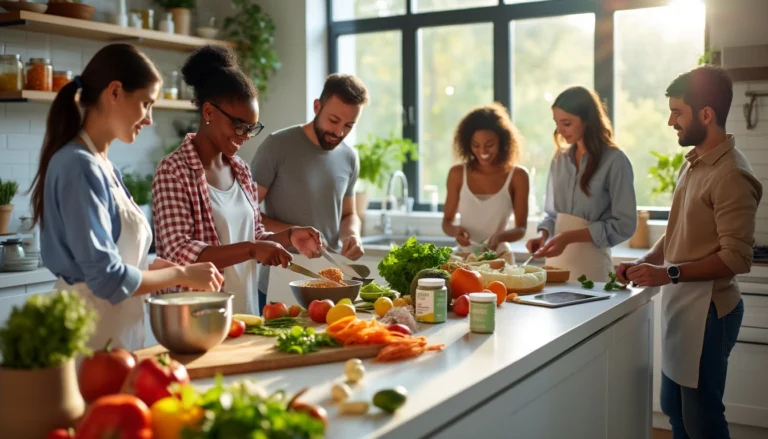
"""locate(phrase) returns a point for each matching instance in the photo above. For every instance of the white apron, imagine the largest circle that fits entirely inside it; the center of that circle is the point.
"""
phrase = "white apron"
(122, 322)
(581, 257)
(684, 309)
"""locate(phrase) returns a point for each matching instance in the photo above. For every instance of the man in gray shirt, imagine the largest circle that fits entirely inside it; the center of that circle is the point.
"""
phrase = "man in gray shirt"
(306, 174)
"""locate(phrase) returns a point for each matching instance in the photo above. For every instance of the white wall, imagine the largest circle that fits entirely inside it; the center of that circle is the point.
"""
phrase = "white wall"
(300, 43)
(742, 23)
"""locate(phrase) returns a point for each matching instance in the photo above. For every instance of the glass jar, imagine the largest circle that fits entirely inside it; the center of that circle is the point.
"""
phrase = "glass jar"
(482, 312)
(431, 300)
(61, 78)
(39, 75)
(11, 73)
(171, 85)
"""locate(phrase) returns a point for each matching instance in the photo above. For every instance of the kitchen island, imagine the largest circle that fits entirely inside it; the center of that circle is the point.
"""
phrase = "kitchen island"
(580, 371)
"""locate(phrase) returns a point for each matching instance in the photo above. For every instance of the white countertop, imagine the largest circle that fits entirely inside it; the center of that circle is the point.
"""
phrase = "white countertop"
(16, 278)
(473, 366)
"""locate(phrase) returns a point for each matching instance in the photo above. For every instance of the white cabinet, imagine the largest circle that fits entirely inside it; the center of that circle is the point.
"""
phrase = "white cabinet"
(600, 389)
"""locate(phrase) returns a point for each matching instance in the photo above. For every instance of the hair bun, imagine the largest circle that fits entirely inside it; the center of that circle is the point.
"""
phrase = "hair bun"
(206, 62)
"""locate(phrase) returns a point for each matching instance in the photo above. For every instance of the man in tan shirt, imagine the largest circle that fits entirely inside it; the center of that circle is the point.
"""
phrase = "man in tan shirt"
(708, 241)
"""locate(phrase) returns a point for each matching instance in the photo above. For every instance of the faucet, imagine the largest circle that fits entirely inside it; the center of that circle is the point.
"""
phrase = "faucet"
(385, 224)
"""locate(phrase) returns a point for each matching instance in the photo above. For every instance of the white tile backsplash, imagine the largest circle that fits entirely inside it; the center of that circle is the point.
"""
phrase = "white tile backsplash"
(753, 143)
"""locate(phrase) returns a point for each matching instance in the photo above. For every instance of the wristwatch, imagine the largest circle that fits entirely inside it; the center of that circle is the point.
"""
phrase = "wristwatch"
(673, 271)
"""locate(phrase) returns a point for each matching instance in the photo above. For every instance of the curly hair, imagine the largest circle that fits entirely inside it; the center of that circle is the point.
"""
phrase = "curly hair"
(493, 117)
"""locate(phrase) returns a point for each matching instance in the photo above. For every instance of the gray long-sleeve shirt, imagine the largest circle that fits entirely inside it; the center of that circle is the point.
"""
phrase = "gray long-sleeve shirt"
(611, 206)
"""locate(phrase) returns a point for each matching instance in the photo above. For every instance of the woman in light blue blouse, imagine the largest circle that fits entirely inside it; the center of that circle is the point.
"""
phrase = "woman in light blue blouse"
(94, 237)
(590, 203)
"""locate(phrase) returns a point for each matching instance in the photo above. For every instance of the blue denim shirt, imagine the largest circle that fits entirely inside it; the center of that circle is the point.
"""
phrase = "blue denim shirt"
(81, 225)
(611, 206)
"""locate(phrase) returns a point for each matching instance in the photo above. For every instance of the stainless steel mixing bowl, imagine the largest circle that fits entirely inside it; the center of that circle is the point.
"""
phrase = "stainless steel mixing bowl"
(192, 322)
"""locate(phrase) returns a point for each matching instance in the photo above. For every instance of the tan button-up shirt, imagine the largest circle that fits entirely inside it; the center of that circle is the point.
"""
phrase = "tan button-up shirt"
(713, 211)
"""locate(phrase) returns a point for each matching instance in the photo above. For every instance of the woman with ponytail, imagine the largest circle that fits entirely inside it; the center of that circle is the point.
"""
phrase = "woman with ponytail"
(94, 238)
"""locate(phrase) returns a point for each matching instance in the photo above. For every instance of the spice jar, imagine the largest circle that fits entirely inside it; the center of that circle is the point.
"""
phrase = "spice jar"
(482, 312)
(61, 78)
(39, 74)
(170, 85)
(11, 73)
(431, 300)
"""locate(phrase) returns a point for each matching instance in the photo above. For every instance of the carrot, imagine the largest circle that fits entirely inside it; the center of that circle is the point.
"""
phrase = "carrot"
(397, 346)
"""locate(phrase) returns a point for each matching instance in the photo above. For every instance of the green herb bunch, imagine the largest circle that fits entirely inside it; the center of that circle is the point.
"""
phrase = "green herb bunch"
(47, 331)
(404, 262)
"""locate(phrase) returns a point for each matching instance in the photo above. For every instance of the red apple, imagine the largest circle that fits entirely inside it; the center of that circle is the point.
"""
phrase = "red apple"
(318, 309)
(461, 306)
(294, 310)
(275, 310)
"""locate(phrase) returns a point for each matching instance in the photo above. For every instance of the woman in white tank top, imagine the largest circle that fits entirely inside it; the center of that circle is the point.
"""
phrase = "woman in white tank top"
(488, 187)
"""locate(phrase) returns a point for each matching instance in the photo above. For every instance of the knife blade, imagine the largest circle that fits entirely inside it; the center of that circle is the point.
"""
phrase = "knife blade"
(346, 269)
(306, 272)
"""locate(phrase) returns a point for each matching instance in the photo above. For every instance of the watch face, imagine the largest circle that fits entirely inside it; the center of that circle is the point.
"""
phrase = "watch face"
(673, 271)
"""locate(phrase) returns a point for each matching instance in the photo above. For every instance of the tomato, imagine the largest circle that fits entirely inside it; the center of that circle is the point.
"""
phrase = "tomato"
(236, 329)
(461, 306)
(104, 373)
(294, 310)
(465, 281)
(151, 378)
(499, 289)
(60, 433)
(275, 310)
(116, 416)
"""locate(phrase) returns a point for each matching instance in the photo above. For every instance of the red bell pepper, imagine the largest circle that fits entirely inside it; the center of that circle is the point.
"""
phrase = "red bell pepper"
(151, 378)
(117, 416)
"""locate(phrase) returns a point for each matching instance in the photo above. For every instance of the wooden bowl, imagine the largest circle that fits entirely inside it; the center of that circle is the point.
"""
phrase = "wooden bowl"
(71, 10)
(557, 275)
(23, 6)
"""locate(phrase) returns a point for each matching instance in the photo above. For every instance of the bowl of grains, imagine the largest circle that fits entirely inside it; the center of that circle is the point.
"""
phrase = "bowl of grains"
(306, 291)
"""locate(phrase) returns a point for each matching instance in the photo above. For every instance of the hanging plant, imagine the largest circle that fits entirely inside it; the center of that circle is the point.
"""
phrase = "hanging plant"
(253, 31)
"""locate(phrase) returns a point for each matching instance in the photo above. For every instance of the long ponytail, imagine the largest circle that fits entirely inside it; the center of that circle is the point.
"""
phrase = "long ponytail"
(114, 62)
(63, 124)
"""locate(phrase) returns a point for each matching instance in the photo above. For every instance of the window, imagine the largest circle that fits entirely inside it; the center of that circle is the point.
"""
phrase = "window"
(455, 74)
(428, 66)
(357, 9)
(375, 58)
(653, 46)
(445, 5)
(548, 55)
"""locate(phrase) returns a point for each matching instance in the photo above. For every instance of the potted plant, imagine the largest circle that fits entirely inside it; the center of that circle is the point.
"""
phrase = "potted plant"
(379, 158)
(140, 188)
(8, 190)
(39, 343)
(253, 32)
(182, 14)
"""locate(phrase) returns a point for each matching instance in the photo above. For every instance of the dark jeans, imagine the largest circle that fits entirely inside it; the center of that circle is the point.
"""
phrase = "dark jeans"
(262, 302)
(700, 413)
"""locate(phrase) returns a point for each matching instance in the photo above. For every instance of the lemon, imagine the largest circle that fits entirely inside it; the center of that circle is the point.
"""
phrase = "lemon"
(345, 300)
(382, 305)
(339, 312)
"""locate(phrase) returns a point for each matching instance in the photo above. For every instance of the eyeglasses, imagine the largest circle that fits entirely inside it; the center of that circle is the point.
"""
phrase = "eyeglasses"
(241, 127)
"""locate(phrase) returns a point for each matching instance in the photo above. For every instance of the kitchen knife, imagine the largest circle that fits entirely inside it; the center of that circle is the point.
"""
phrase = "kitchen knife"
(303, 271)
(346, 269)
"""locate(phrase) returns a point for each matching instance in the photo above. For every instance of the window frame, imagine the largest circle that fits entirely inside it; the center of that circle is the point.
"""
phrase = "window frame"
(499, 15)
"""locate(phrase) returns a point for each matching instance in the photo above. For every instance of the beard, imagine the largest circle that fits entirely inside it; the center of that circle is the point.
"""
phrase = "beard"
(321, 134)
(694, 135)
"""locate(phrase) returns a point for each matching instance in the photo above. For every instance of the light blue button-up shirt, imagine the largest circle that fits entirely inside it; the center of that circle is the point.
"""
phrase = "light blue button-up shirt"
(81, 225)
(611, 206)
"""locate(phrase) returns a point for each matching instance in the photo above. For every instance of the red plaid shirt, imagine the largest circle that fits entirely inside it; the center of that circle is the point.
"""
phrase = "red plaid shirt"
(181, 205)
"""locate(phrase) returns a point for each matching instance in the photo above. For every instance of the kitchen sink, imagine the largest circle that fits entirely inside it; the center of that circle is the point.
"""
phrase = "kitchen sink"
(390, 240)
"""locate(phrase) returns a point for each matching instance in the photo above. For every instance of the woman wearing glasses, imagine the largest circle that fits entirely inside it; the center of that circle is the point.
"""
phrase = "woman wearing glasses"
(203, 197)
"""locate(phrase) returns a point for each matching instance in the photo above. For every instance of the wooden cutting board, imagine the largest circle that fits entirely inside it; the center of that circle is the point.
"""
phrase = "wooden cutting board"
(253, 353)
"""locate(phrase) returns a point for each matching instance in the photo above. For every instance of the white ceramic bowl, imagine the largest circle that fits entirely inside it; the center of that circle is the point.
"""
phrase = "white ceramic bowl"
(207, 32)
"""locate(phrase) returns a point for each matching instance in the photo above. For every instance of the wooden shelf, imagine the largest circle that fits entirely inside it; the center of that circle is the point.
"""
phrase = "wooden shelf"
(94, 30)
(744, 74)
(48, 96)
